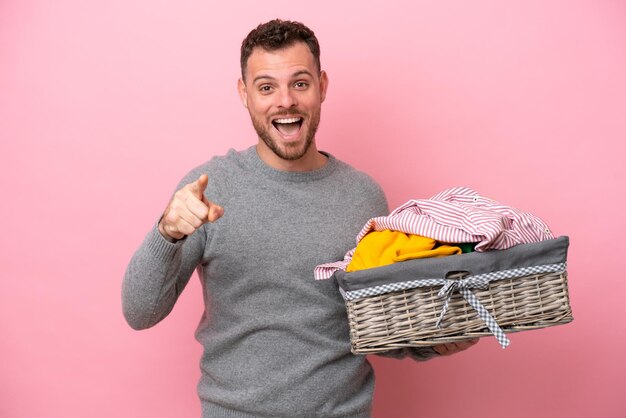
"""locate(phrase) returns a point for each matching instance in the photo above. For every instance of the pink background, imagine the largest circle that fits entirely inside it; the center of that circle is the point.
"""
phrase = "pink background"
(105, 105)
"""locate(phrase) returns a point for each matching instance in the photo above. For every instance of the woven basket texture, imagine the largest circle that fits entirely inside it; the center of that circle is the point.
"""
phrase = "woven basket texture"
(408, 318)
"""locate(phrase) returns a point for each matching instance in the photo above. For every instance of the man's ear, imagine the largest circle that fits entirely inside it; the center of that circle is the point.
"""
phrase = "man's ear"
(243, 94)
(323, 84)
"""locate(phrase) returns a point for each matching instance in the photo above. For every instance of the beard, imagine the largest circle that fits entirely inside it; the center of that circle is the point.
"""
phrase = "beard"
(293, 150)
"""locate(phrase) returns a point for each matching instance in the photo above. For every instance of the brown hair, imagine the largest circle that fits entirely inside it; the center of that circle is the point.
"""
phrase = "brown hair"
(278, 34)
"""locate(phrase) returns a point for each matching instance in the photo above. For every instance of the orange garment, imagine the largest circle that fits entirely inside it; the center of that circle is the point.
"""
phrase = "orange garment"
(380, 248)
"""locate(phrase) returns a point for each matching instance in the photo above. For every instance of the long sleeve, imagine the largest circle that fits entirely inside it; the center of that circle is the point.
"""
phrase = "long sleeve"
(157, 274)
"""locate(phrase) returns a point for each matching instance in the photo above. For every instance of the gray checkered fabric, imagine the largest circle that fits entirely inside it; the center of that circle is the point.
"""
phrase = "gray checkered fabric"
(463, 286)
(486, 317)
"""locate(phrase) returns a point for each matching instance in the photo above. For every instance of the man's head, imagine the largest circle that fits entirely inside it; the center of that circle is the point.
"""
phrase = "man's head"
(278, 34)
(283, 88)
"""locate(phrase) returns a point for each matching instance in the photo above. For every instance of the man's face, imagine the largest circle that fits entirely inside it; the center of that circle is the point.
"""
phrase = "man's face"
(283, 93)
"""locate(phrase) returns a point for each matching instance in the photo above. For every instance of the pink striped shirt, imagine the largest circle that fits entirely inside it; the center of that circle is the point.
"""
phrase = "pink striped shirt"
(455, 215)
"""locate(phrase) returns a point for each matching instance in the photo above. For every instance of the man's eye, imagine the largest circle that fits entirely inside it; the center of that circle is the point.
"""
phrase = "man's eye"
(265, 89)
(301, 85)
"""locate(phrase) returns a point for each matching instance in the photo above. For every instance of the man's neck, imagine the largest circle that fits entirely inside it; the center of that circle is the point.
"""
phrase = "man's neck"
(310, 161)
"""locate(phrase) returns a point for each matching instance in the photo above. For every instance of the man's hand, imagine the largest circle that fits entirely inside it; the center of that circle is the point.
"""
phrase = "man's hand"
(451, 348)
(188, 210)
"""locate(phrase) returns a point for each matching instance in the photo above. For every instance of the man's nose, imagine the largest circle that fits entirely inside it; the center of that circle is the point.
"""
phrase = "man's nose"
(287, 98)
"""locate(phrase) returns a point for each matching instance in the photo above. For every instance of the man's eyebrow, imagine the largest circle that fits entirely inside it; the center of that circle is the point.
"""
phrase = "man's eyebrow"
(301, 72)
(270, 78)
(263, 77)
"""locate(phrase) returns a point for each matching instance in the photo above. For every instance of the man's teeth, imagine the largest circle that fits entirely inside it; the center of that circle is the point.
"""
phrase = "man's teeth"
(287, 120)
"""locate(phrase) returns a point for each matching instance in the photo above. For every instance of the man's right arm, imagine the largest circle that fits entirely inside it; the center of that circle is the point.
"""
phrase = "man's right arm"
(162, 266)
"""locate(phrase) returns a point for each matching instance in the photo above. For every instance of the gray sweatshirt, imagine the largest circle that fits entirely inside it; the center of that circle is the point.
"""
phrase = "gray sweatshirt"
(276, 341)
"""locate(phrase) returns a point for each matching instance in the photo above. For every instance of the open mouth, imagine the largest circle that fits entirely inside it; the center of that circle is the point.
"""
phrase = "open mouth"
(288, 126)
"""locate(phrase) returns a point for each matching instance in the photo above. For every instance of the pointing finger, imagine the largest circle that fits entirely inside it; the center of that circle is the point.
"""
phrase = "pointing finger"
(199, 185)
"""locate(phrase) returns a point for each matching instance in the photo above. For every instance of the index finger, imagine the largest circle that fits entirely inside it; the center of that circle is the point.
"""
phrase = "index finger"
(199, 186)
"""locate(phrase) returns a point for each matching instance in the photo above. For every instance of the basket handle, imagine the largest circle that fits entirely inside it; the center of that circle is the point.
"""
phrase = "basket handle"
(457, 274)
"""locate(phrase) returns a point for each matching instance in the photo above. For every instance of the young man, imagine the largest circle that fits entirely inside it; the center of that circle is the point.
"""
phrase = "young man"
(254, 224)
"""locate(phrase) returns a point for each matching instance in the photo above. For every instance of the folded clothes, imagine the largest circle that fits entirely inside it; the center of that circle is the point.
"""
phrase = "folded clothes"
(457, 215)
(380, 248)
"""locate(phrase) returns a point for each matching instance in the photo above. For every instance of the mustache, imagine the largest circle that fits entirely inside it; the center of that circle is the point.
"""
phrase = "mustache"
(291, 112)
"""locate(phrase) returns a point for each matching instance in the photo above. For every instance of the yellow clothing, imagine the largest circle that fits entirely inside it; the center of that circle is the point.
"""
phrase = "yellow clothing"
(380, 248)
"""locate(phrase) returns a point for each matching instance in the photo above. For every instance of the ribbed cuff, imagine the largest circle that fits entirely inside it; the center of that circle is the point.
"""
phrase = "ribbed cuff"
(159, 246)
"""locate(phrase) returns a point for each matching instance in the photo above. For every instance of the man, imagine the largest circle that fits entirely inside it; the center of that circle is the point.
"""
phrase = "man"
(254, 224)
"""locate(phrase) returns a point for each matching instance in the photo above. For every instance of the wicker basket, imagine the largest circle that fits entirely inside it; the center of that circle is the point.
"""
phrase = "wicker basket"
(409, 317)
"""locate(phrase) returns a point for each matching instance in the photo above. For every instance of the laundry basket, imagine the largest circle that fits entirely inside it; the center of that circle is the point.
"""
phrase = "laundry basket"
(431, 301)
